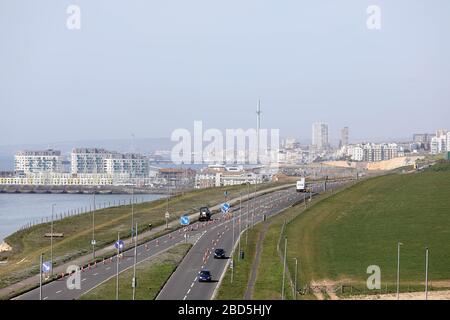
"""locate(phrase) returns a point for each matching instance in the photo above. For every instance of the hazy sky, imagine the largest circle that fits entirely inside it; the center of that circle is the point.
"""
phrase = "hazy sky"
(150, 66)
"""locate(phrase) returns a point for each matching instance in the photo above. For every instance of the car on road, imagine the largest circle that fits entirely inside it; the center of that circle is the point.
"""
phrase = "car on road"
(205, 214)
(219, 254)
(204, 276)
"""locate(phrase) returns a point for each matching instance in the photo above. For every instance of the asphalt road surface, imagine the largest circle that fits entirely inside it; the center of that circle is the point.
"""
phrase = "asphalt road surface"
(184, 283)
(205, 236)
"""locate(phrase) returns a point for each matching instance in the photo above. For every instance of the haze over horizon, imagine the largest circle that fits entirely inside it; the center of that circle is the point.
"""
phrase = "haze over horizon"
(150, 67)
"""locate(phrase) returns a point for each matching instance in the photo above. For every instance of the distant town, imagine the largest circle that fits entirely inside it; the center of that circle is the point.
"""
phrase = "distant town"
(100, 167)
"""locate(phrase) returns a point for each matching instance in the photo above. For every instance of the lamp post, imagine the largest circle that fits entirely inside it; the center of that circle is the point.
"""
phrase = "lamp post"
(51, 240)
(284, 268)
(40, 275)
(398, 269)
(240, 224)
(426, 273)
(93, 230)
(117, 266)
(132, 213)
(134, 282)
(295, 284)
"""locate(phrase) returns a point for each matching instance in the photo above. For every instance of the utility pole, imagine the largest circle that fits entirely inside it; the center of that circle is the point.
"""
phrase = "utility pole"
(240, 224)
(117, 266)
(295, 284)
(51, 241)
(132, 213)
(426, 273)
(167, 204)
(93, 230)
(258, 125)
(41, 261)
(398, 269)
(134, 281)
(284, 268)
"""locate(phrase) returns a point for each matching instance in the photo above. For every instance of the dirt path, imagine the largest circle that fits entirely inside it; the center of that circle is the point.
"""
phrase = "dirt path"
(254, 269)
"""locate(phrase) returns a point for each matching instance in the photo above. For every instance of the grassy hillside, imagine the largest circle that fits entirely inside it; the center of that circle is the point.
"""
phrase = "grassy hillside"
(338, 238)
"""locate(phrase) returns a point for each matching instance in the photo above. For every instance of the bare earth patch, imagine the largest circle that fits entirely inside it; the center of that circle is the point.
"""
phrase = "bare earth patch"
(432, 295)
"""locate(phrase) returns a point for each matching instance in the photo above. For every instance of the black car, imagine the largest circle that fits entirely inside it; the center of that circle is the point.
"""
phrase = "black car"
(204, 276)
(219, 254)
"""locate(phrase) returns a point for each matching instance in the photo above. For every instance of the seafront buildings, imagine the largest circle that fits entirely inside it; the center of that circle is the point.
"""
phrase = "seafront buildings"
(93, 160)
(38, 161)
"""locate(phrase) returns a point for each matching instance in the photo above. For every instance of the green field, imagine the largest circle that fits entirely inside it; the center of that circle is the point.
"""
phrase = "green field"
(151, 276)
(269, 270)
(28, 244)
(339, 237)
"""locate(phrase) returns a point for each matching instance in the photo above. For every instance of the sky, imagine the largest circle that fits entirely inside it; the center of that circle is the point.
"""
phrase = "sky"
(148, 67)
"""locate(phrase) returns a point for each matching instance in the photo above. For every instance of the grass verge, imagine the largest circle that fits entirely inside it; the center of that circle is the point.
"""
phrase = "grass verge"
(151, 275)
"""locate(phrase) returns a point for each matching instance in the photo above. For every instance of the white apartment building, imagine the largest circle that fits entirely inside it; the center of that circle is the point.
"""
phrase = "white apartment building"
(448, 141)
(439, 144)
(92, 160)
(320, 135)
(134, 164)
(38, 161)
(356, 153)
(372, 152)
(88, 160)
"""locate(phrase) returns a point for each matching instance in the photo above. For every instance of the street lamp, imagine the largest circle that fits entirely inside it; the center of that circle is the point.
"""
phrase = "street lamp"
(93, 230)
(51, 240)
(295, 284)
(134, 282)
(240, 224)
(398, 269)
(132, 212)
(284, 268)
(426, 273)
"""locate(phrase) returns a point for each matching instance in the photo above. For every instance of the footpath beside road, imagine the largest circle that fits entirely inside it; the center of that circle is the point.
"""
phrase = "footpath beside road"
(31, 282)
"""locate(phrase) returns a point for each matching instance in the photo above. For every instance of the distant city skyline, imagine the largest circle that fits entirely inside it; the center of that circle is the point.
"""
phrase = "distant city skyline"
(148, 68)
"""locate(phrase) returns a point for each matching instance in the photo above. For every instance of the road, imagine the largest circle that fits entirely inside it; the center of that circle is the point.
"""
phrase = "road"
(205, 236)
(184, 284)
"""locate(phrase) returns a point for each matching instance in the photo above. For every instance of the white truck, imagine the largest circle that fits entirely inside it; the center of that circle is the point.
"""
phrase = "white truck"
(301, 185)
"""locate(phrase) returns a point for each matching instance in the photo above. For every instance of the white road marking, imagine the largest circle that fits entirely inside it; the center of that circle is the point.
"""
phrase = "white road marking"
(107, 268)
(83, 279)
(95, 274)
(45, 298)
(192, 284)
(184, 297)
(59, 291)
(188, 291)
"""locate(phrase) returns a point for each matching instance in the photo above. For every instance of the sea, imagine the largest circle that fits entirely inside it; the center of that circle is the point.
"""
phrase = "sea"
(18, 210)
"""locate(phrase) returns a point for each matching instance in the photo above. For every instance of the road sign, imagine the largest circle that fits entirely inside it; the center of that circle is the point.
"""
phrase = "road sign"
(184, 220)
(167, 215)
(93, 242)
(225, 207)
(46, 266)
(119, 244)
